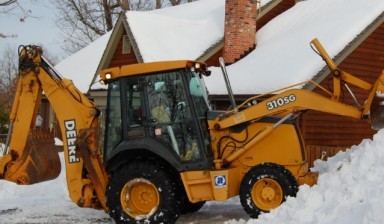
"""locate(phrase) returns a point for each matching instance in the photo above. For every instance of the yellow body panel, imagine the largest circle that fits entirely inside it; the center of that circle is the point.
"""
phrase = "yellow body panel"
(218, 185)
(282, 146)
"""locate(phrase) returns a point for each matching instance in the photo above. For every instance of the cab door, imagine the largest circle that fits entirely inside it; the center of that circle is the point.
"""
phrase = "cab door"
(174, 117)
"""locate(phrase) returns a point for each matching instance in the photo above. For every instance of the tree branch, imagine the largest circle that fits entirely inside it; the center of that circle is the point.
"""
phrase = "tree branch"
(8, 2)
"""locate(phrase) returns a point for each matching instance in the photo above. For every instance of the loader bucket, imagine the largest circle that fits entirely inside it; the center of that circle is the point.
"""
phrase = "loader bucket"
(377, 112)
(38, 161)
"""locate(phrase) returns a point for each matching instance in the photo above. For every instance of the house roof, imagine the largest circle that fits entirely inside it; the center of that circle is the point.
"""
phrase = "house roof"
(282, 57)
(172, 33)
(81, 67)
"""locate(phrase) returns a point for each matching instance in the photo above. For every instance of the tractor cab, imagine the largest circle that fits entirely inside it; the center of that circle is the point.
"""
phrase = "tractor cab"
(159, 108)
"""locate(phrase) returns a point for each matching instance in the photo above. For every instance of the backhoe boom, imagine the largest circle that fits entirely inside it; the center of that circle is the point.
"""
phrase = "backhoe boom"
(290, 101)
(28, 161)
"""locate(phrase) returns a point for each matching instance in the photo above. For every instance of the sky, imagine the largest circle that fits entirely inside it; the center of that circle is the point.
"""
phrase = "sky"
(39, 28)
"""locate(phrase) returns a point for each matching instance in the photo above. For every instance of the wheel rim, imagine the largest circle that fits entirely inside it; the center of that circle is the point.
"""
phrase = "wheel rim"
(139, 198)
(267, 194)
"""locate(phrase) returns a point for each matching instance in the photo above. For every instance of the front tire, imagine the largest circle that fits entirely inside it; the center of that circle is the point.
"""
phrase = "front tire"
(265, 187)
(142, 192)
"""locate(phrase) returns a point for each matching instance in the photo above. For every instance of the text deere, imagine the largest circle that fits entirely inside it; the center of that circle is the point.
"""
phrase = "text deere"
(70, 132)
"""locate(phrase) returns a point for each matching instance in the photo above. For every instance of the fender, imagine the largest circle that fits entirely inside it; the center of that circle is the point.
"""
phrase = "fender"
(135, 147)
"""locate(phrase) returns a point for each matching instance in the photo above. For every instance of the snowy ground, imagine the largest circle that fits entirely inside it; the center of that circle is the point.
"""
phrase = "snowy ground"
(349, 191)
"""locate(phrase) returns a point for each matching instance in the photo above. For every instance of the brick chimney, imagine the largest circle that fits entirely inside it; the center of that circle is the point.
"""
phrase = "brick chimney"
(240, 29)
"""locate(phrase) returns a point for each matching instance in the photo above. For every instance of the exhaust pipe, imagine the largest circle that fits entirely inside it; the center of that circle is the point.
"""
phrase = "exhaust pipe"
(228, 84)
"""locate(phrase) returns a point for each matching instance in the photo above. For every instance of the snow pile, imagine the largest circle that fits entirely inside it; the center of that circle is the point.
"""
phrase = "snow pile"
(349, 190)
(46, 202)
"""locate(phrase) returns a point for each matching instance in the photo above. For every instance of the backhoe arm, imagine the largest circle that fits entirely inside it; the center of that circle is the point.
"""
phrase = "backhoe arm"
(294, 101)
(290, 102)
(75, 112)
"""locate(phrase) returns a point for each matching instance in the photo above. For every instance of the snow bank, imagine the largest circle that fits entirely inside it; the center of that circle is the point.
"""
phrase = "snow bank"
(349, 190)
(46, 202)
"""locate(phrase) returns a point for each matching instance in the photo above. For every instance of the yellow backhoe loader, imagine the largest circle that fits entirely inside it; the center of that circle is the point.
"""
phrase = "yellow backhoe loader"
(165, 150)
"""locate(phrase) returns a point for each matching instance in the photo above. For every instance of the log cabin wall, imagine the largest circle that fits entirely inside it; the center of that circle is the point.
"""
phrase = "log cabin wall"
(331, 133)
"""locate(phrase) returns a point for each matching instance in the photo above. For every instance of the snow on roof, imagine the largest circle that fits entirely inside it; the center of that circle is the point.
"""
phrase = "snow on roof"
(81, 67)
(283, 56)
(182, 32)
(190, 30)
(174, 33)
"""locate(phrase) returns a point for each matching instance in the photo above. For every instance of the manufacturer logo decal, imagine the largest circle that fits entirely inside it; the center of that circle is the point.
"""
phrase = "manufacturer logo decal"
(220, 181)
(71, 135)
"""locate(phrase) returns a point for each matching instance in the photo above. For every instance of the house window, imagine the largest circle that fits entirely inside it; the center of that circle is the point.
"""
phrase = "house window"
(126, 45)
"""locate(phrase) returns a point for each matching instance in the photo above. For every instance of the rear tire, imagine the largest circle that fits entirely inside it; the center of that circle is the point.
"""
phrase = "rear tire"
(265, 187)
(142, 192)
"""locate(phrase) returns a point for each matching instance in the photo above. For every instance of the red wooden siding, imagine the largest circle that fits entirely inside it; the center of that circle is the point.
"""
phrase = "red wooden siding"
(119, 58)
(366, 62)
(321, 152)
(277, 10)
(214, 59)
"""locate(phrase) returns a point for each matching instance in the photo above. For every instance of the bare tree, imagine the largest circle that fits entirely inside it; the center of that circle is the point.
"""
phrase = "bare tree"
(16, 9)
(83, 21)
(139, 5)
(143, 5)
(8, 2)
(8, 72)
(178, 2)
